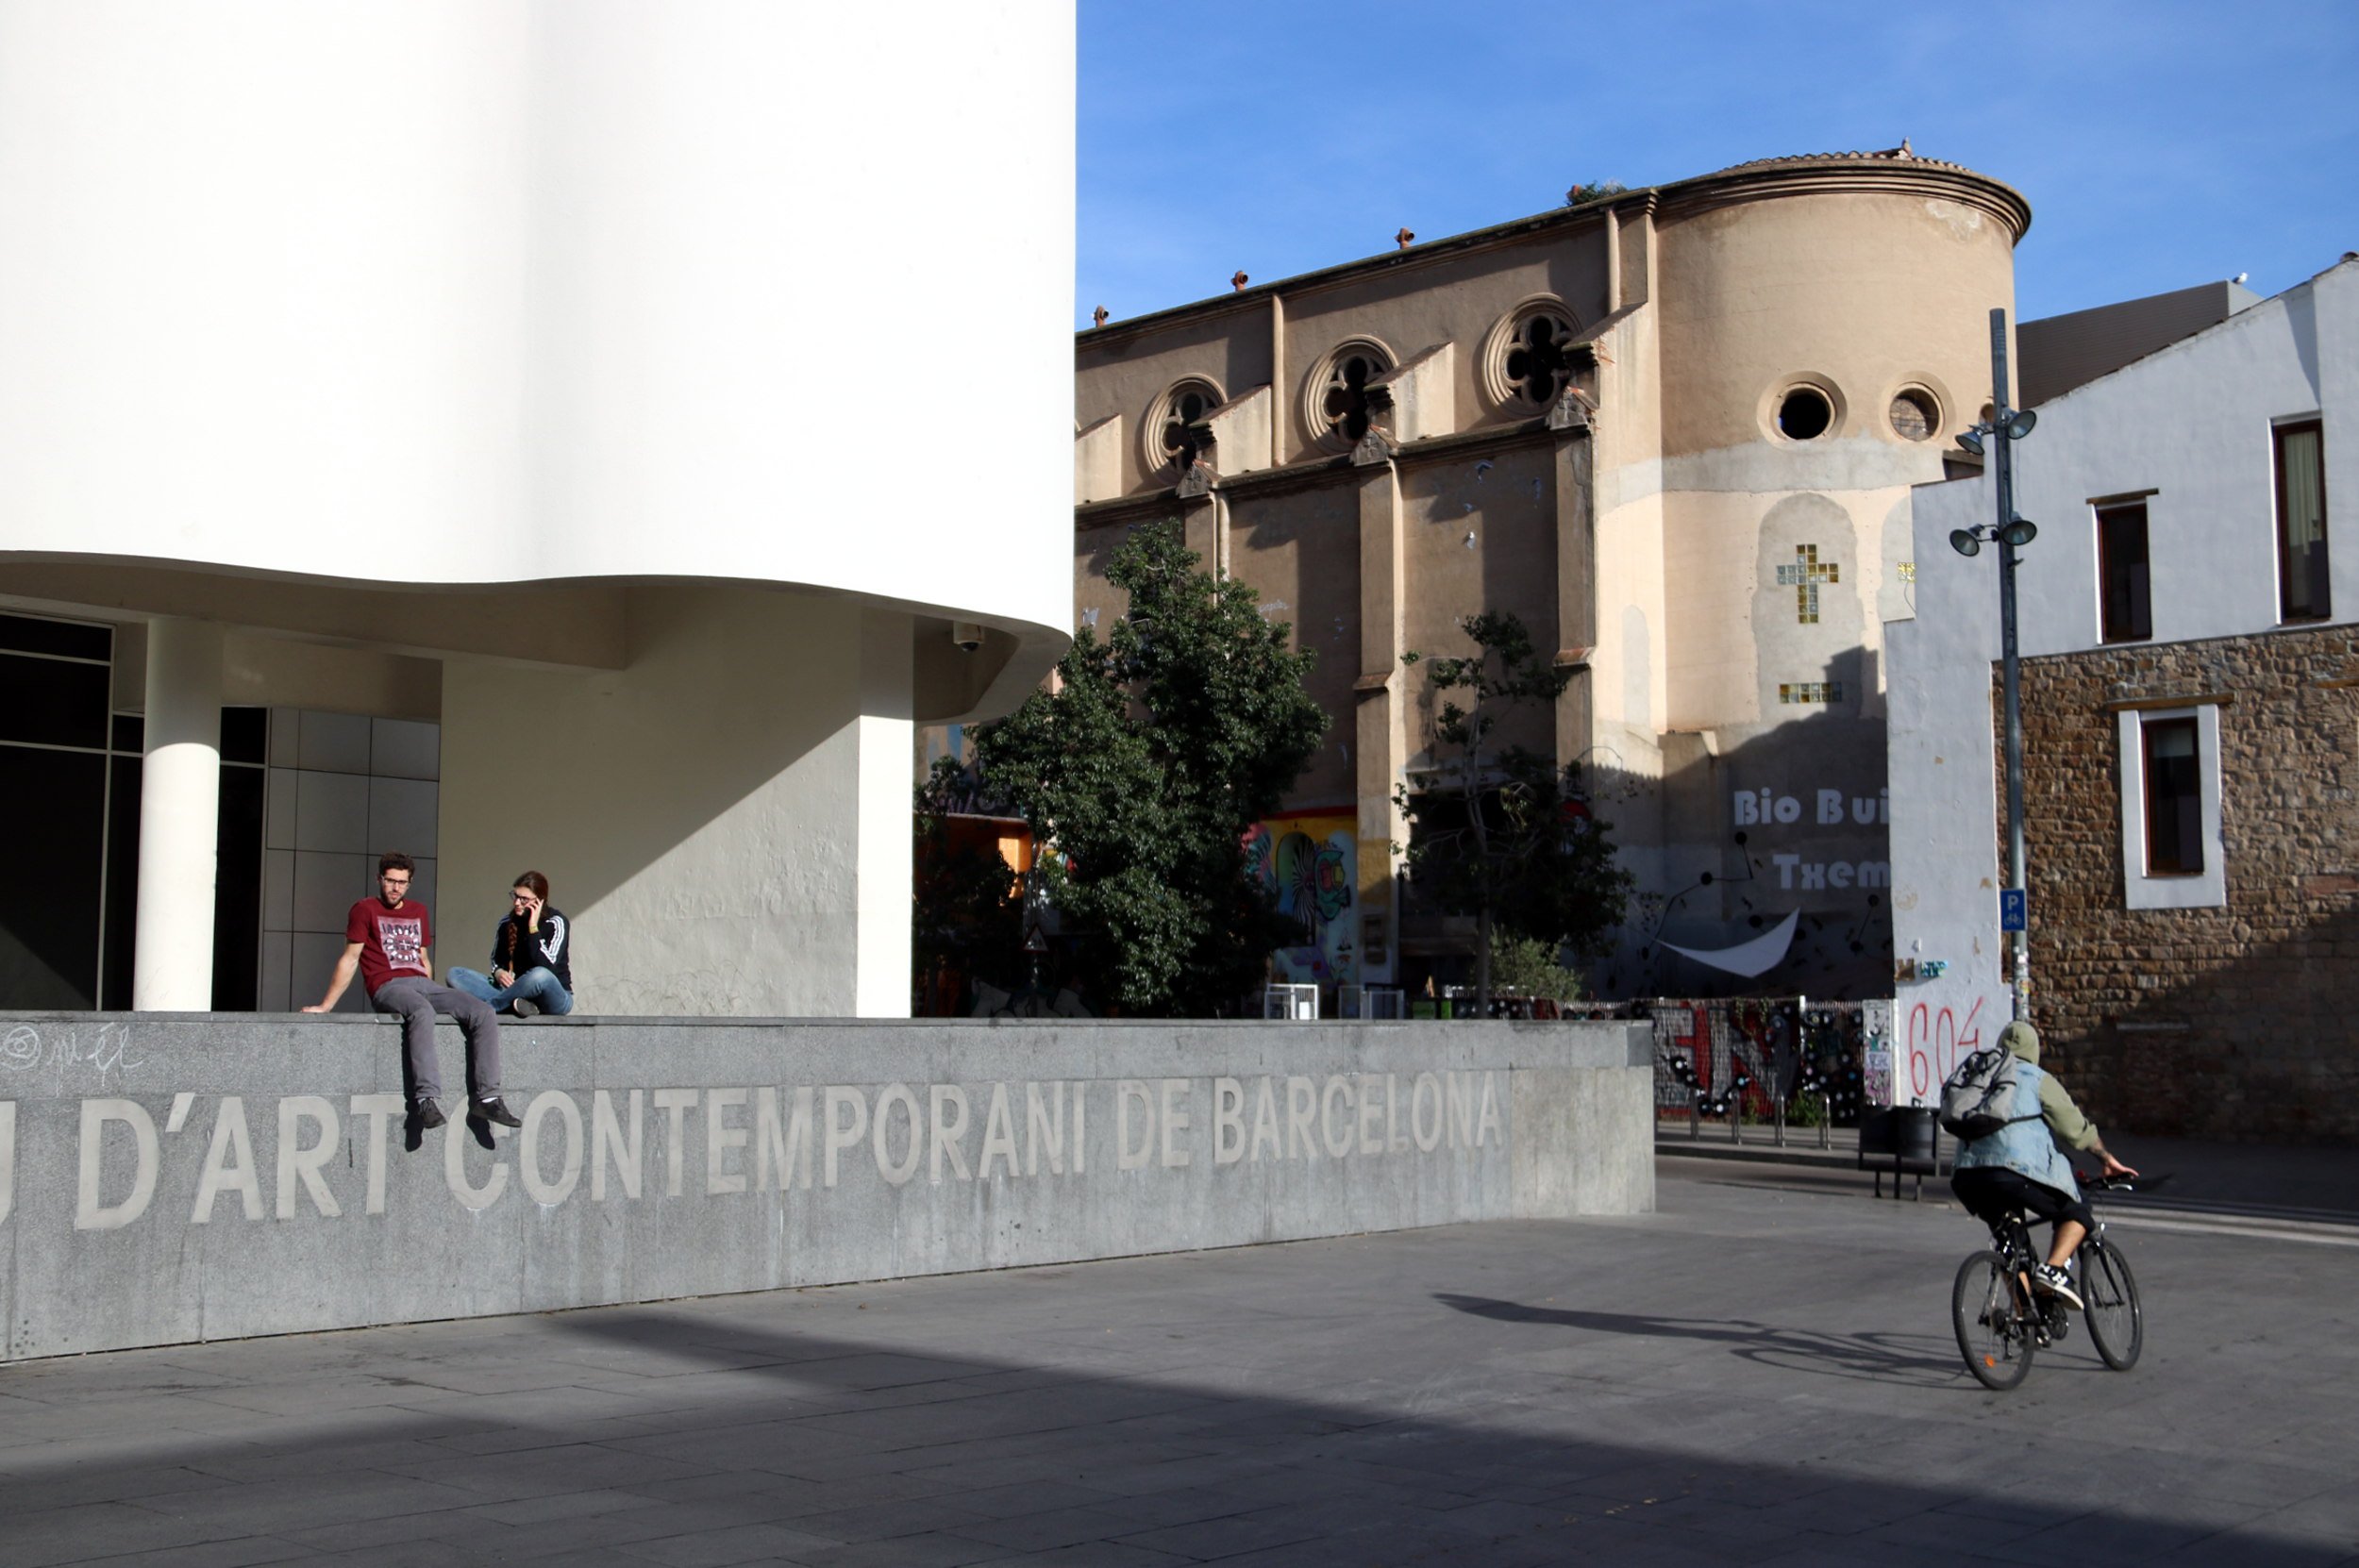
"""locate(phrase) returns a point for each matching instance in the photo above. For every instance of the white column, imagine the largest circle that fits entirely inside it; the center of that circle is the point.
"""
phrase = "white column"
(179, 816)
(882, 879)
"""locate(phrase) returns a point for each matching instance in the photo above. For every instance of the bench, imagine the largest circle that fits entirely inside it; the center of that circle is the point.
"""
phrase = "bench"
(1905, 1140)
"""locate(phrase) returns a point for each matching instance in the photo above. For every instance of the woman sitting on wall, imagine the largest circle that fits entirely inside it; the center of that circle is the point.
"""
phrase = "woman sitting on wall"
(531, 957)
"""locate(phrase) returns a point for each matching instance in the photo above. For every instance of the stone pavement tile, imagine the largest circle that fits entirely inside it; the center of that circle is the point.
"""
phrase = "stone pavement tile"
(1182, 1506)
(910, 1551)
(130, 1484)
(559, 1505)
(801, 1497)
(1096, 1554)
(2113, 1538)
(506, 1439)
(444, 1554)
(1848, 1511)
(246, 1551)
(999, 1502)
(1823, 1551)
(883, 1521)
(2257, 1549)
(1051, 1528)
(732, 1545)
(1230, 1536)
(1006, 1455)
(711, 1485)
(2330, 1517)
(1085, 1459)
(1500, 1518)
(1961, 1532)
(353, 1535)
(1997, 1505)
(1210, 1471)
(279, 1461)
(538, 1472)
(91, 1530)
(882, 1369)
(558, 1540)
(293, 1503)
(733, 1445)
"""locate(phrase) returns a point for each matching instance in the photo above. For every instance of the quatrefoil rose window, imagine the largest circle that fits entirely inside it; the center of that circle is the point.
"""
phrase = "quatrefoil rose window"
(1338, 405)
(1530, 355)
(1174, 430)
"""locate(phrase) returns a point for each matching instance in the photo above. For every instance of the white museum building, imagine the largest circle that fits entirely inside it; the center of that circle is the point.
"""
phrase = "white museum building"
(455, 428)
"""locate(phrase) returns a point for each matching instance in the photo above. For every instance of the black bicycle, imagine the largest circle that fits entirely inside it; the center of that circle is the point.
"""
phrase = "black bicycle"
(2001, 1321)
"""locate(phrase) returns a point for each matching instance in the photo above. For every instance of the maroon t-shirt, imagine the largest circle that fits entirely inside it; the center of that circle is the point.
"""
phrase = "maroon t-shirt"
(393, 941)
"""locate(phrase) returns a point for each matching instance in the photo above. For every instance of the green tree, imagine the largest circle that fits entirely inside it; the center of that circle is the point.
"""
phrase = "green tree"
(1143, 767)
(1528, 966)
(1500, 833)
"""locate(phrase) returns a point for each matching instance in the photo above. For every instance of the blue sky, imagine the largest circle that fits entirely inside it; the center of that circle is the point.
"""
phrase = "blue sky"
(2161, 144)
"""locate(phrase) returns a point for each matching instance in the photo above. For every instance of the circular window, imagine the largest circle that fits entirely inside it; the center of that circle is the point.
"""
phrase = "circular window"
(1530, 354)
(1915, 414)
(1337, 405)
(1173, 435)
(1804, 413)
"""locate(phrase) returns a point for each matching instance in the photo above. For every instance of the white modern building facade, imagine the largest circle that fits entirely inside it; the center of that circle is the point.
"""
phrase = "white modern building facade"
(455, 428)
(2191, 704)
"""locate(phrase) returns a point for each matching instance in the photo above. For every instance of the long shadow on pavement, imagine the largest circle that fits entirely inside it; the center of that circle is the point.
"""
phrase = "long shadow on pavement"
(629, 1435)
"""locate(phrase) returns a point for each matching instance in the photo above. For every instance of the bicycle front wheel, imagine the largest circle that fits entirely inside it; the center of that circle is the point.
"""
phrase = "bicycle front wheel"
(2110, 1294)
(1981, 1309)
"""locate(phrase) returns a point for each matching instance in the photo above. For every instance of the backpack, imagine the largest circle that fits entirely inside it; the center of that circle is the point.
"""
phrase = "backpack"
(1975, 1097)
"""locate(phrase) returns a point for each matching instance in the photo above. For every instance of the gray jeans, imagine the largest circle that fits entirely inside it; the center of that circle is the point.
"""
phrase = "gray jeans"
(418, 999)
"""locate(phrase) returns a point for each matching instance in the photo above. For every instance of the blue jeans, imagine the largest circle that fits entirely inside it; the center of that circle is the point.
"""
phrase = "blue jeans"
(537, 986)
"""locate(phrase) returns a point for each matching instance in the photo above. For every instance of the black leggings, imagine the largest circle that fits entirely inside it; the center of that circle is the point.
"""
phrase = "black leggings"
(1990, 1192)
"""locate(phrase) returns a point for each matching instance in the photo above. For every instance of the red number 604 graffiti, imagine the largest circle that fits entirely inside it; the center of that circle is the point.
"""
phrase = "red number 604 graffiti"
(1935, 1041)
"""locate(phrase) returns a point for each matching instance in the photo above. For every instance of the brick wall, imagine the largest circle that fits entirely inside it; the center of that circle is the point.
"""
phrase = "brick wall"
(2239, 1022)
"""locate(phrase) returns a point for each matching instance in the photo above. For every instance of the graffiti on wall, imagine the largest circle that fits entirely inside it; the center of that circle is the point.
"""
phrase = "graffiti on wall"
(1311, 866)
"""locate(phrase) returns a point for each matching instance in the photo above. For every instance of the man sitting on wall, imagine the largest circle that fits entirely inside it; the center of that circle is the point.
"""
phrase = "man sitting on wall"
(390, 940)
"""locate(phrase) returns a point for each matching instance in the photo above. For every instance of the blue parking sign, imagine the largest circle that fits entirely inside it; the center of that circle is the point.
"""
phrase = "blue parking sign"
(2012, 909)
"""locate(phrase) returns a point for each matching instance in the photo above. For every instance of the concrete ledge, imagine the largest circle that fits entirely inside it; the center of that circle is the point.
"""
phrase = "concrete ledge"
(172, 1178)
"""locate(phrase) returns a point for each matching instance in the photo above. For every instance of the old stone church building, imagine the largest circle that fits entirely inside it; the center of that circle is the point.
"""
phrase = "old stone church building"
(1670, 429)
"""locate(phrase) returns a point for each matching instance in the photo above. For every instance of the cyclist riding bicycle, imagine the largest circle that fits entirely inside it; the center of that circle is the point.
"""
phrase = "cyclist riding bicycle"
(2019, 1166)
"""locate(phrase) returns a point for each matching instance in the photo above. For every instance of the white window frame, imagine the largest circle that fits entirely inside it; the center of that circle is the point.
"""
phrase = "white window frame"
(2203, 890)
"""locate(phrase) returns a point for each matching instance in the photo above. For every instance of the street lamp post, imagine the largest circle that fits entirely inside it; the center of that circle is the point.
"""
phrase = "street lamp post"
(2002, 429)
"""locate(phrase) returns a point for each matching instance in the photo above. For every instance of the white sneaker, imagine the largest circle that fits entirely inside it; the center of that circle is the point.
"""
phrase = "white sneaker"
(2056, 1282)
(526, 1010)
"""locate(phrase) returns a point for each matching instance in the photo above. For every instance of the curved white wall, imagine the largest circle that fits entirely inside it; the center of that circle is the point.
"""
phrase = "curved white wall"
(424, 292)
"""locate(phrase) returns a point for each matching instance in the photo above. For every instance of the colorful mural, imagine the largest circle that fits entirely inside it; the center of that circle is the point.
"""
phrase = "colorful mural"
(1310, 864)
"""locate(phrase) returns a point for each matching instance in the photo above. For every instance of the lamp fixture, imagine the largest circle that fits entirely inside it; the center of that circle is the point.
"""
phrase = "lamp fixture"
(1971, 440)
(1967, 541)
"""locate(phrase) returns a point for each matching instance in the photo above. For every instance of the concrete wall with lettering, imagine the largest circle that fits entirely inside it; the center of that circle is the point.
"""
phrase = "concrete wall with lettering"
(168, 1179)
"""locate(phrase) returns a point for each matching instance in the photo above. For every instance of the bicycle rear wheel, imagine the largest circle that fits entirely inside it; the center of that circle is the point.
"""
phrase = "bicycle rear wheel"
(2110, 1295)
(1982, 1310)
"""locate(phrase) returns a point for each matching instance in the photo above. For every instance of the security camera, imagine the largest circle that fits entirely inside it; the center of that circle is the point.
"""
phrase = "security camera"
(968, 635)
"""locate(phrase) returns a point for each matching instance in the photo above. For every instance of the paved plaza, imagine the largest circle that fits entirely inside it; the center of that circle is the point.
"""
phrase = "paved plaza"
(1761, 1372)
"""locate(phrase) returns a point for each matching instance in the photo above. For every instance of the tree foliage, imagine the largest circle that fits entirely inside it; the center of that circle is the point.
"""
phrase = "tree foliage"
(1529, 968)
(1500, 832)
(1142, 769)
